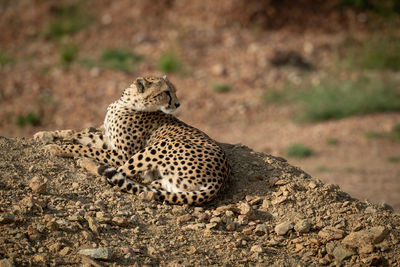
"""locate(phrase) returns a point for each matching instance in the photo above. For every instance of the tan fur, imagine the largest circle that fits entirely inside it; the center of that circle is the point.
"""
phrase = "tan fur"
(145, 148)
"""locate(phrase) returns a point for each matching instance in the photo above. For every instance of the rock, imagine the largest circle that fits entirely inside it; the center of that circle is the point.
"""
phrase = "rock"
(210, 226)
(191, 227)
(30, 201)
(279, 200)
(93, 224)
(303, 226)
(283, 228)
(243, 219)
(342, 252)
(65, 251)
(40, 257)
(299, 247)
(218, 69)
(75, 218)
(52, 226)
(33, 234)
(373, 235)
(7, 218)
(184, 218)
(330, 247)
(203, 217)
(216, 220)
(383, 246)
(253, 200)
(7, 263)
(366, 249)
(88, 262)
(75, 185)
(244, 208)
(102, 253)
(248, 230)
(370, 210)
(128, 251)
(280, 182)
(257, 248)
(229, 213)
(55, 247)
(261, 229)
(374, 260)
(230, 226)
(38, 185)
(151, 250)
(87, 236)
(120, 221)
(330, 233)
(192, 250)
(312, 185)
(101, 217)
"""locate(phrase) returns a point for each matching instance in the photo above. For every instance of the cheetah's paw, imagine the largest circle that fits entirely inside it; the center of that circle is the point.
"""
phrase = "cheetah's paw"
(56, 150)
(52, 149)
(89, 165)
(44, 136)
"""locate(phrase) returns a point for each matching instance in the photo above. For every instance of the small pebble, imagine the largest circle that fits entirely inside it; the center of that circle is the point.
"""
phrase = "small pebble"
(103, 253)
(38, 185)
(283, 228)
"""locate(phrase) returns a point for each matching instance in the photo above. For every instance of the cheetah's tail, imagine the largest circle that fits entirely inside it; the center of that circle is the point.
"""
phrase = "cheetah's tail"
(179, 198)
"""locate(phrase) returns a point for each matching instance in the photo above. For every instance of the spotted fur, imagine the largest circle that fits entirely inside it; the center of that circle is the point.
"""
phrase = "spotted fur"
(146, 148)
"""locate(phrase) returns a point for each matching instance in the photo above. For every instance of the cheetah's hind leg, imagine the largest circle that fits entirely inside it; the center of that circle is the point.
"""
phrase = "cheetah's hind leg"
(113, 177)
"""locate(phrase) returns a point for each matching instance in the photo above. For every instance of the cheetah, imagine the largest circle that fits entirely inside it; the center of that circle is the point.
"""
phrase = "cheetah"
(145, 148)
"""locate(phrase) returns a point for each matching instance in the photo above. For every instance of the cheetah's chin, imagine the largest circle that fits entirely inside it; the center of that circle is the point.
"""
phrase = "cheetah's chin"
(168, 111)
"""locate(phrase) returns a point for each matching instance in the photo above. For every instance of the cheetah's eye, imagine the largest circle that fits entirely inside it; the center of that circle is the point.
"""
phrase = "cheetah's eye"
(140, 86)
(169, 96)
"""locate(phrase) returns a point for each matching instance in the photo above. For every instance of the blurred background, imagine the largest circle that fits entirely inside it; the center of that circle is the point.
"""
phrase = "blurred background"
(313, 81)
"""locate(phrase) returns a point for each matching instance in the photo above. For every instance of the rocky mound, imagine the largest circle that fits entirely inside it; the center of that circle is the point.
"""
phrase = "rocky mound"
(53, 212)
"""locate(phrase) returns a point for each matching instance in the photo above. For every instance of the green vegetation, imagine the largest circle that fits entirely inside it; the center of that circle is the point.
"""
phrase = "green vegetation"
(373, 134)
(394, 159)
(5, 59)
(220, 87)
(335, 99)
(299, 151)
(379, 53)
(381, 7)
(394, 134)
(278, 97)
(120, 59)
(68, 54)
(324, 169)
(169, 62)
(332, 141)
(339, 99)
(67, 20)
(87, 62)
(32, 118)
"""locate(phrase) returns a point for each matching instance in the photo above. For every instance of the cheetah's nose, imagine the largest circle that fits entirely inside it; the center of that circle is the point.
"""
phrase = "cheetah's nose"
(177, 105)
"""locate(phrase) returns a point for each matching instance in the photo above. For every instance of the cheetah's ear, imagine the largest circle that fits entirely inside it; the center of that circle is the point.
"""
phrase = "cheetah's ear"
(140, 85)
(165, 77)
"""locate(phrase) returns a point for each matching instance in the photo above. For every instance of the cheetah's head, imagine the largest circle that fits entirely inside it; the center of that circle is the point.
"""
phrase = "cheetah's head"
(151, 94)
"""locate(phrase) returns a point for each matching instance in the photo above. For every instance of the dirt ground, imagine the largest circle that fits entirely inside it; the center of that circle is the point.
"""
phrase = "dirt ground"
(53, 213)
(213, 47)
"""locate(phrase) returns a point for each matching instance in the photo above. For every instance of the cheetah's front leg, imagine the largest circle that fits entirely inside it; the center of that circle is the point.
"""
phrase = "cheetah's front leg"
(104, 156)
(89, 137)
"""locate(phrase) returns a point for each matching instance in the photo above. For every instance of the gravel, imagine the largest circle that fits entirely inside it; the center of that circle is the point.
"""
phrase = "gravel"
(91, 223)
